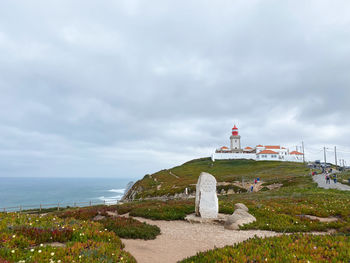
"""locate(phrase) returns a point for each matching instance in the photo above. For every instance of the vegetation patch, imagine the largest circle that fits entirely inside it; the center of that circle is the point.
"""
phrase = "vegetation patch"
(131, 228)
(157, 210)
(286, 248)
(86, 213)
(282, 210)
(85, 241)
(288, 173)
(42, 235)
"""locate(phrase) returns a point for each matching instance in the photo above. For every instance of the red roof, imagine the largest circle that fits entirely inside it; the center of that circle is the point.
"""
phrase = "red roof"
(248, 148)
(273, 147)
(224, 147)
(267, 152)
(296, 153)
(259, 145)
(234, 127)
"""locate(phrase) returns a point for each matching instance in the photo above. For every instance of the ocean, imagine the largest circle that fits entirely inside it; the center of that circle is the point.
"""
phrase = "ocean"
(27, 192)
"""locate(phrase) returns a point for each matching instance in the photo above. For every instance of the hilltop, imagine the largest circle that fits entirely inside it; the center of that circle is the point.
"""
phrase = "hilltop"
(230, 174)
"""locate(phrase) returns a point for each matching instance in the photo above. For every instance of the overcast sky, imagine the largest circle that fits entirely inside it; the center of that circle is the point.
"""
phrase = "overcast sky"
(124, 88)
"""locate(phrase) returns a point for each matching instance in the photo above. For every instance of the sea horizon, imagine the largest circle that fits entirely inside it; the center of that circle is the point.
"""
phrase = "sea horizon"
(66, 191)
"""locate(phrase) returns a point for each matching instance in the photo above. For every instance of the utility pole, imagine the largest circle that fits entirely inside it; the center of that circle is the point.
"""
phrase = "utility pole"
(303, 151)
(324, 153)
(335, 155)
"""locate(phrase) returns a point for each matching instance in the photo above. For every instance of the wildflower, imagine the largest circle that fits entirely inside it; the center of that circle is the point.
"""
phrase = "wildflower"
(32, 250)
(13, 236)
(12, 251)
(59, 261)
(39, 251)
(52, 253)
(41, 245)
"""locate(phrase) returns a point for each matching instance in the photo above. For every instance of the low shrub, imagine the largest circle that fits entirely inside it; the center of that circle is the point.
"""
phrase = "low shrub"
(86, 213)
(160, 212)
(285, 248)
(131, 228)
(88, 241)
(41, 235)
(157, 210)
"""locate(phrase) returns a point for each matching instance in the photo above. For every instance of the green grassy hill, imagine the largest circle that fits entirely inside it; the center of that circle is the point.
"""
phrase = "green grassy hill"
(176, 179)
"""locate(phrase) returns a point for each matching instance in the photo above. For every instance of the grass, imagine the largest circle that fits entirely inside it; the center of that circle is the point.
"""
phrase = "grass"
(286, 248)
(282, 210)
(223, 170)
(344, 177)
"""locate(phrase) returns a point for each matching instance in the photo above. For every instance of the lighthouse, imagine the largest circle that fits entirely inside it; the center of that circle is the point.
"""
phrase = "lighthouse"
(235, 139)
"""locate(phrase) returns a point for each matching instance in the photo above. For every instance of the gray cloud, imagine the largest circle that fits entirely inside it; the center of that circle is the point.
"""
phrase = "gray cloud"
(124, 88)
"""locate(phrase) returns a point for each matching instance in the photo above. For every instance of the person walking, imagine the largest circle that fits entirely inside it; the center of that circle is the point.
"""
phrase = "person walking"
(335, 178)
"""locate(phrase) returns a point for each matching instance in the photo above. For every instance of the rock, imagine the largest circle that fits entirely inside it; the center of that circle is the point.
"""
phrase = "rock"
(223, 191)
(98, 218)
(241, 206)
(220, 220)
(112, 214)
(230, 192)
(239, 218)
(206, 205)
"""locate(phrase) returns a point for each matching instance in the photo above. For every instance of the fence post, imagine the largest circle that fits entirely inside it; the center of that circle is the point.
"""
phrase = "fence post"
(90, 203)
(4, 209)
(58, 206)
(104, 202)
(40, 207)
(75, 204)
(20, 208)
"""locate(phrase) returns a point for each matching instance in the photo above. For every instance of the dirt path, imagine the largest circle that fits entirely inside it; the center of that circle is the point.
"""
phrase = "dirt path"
(180, 239)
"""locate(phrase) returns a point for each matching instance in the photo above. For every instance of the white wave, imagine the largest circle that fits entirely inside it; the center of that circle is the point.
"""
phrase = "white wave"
(110, 199)
(119, 191)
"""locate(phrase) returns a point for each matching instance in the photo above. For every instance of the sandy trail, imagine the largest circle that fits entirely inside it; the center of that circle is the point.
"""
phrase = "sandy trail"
(180, 239)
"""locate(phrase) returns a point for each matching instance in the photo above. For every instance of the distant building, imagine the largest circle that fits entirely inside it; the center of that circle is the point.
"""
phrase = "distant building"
(258, 153)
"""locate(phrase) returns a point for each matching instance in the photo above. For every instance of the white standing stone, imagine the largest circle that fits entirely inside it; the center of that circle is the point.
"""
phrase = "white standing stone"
(207, 205)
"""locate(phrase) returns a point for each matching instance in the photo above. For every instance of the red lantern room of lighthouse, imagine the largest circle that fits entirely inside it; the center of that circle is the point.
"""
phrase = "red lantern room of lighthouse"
(235, 141)
(235, 131)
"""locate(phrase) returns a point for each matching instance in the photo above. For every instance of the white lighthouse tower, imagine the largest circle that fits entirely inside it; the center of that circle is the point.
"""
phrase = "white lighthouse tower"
(235, 139)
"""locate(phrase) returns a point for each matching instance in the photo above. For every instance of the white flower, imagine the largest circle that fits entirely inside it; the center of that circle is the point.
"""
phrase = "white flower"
(59, 261)
(41, 245)
(52, 253)
(39, 251)
(32, 250)
(79, 256)
(12, 251)
(13, 236)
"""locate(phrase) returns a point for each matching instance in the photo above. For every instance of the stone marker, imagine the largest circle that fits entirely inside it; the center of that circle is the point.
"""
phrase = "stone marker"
(207, 205)
(239, 217)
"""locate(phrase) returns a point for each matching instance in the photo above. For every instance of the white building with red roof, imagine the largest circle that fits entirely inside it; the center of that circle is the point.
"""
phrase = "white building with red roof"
(258, 153)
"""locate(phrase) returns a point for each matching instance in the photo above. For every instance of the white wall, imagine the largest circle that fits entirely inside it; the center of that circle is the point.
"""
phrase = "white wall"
(227, 156)
(253, 156)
